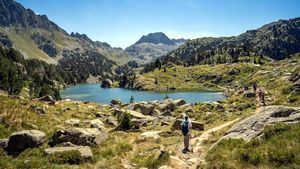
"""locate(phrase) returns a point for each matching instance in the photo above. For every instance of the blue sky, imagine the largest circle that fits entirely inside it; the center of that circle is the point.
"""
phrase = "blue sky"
(122, 22)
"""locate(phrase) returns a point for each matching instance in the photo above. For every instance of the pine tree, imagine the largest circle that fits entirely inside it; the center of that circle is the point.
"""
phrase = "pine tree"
(131, 99)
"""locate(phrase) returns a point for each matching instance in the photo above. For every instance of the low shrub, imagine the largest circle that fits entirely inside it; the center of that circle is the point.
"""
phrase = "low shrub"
(69, 157)
(124, 121)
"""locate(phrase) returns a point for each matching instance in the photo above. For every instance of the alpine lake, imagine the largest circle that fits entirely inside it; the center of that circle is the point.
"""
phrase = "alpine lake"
(94, 93)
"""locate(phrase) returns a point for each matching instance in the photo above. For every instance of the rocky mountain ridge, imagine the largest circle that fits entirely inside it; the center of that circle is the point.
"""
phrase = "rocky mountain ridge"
(21, 27)
(152, 46)
(277, 41)
(13, 13)
(157, 38)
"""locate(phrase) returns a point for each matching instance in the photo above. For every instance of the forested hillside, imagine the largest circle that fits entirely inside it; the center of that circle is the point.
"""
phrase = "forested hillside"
(43, 79)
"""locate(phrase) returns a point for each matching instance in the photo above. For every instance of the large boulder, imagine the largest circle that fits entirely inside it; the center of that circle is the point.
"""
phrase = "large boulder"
(179, 102)
(195, 125)
(22, 140)
(132, 113)
(116, 102)
(85, 151)
(145, 109)
(167, 104)
(96, 123)
(138, 115)
(254, 125)
(155, 112)
(167, 113)
(137, 123)
(106, 83)
(79, 136)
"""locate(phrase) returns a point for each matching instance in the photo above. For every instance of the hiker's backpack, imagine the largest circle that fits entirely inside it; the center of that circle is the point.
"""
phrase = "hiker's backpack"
(185, 127)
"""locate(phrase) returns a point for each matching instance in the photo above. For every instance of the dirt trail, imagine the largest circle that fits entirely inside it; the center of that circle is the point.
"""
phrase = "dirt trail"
(191, 160)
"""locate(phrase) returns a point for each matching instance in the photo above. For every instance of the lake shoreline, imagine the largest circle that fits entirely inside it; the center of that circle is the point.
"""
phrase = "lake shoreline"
(159, 91)
(94, 93)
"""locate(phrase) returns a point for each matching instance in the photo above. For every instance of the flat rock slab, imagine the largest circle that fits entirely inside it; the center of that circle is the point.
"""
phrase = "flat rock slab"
(177, 163)
(152, 135)
(73, 122)
(85, 151)
(253, 126)
(138, 115)
(133, 114)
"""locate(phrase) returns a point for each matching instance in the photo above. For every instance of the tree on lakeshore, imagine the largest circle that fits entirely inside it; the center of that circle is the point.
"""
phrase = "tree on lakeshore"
(131, 99)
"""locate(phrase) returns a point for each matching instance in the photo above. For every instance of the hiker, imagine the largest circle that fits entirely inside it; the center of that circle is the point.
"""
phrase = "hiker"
(186, 126)
(254, 87)
(261, 97)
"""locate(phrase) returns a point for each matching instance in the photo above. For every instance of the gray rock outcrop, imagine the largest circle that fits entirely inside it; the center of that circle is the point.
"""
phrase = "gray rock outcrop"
(167, 104)
(79, 136)
(116, 102)
(106, 83)
(22, 140)
(253, 126)
(73, 122)
(145, 109)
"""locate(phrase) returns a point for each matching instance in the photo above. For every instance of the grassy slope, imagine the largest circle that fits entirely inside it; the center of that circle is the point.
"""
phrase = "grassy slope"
(278, 148)
(22, 40)
(120, 59)
(16, 115)
(271, 77)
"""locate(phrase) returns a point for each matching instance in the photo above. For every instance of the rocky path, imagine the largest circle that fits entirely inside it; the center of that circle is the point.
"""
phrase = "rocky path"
(191, 160)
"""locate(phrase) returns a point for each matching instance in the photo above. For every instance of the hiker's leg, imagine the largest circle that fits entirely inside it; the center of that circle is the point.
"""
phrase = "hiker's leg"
(188, 141)
(185, 141)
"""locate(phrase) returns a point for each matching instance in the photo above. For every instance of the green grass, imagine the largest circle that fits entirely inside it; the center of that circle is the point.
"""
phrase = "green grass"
(152, 160)
(69, 157)
(23, 42)
(272, 77)
(279, 147)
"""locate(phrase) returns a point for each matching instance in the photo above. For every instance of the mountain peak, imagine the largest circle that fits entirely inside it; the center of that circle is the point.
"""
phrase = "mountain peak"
(155, 38)
(13, 13)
